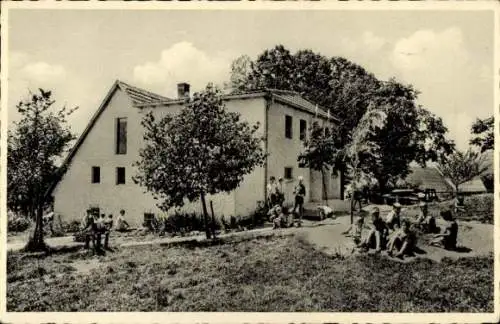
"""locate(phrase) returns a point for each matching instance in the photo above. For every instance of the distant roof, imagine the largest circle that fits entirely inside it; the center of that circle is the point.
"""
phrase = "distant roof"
(474, 185)
(488, 160)
(428, 178)
(140, 96)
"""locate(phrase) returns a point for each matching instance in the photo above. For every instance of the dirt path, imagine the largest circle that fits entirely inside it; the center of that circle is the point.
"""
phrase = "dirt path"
(475, 238)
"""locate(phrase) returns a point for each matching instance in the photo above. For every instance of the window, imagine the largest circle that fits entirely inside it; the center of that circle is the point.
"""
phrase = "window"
(288, 126)
(120, 175)
(96, 174)
(121, 136)
(288, 173)
(303, 129)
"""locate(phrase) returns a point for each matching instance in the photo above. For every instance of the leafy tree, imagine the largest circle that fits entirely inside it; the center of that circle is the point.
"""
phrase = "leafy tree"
(484, 129)
(38, 139)
(351, 91)
(202, 150)
(240, 70)
(461, 167)
(319, 150)
(335, 83)
(411, 133)
(362, 152)
(274, 69)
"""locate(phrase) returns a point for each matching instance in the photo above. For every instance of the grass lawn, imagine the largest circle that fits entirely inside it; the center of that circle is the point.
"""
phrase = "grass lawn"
(279, 273)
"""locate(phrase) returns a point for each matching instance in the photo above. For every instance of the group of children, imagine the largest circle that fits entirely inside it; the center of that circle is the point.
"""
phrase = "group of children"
(94, 228)
(397, 235)
(278, 213)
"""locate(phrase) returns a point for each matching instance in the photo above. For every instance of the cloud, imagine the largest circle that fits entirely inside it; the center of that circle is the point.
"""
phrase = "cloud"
(183, 62)
(43, 72)
(367, 49)
(27, 73)
(373, 42)
(429, 48)
(451, 83)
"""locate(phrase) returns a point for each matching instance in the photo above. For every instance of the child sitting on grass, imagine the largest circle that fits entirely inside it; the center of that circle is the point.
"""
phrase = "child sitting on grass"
(279, 219)
(425, 221)
(402, 241)
(393, 218)
(376, 237)
(356, 228)
(447, 239)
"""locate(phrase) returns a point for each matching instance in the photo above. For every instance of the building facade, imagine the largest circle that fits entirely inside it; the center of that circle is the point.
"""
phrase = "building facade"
(100, 166)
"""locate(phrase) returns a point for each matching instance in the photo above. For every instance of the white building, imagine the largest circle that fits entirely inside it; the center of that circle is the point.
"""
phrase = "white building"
(99, 167)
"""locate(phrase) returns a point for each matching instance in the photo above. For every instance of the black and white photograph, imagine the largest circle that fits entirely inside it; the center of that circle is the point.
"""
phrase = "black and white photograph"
(258, 159)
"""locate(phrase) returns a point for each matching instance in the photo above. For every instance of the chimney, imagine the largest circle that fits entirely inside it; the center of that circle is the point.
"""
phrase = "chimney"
(182, 90)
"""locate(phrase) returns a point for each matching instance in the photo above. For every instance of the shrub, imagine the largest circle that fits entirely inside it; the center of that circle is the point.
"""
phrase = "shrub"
(183, 223)
(71, 227)
(479, 208)
(260, 214)
(18, 224)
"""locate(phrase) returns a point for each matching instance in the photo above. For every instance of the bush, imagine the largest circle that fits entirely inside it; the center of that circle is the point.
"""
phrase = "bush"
(479, 208)
(183, 223)
(71, 227)
(18, 224)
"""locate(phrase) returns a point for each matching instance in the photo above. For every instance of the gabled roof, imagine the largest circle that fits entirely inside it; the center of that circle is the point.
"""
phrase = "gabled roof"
(140, 96)
(474, 185)
(137, 95)
(428, 178)
(285, 96)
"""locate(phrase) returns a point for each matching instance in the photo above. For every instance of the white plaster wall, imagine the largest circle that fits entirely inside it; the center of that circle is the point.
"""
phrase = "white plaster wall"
(75, 192)
(283, 152)
(332, 185)
(252, 189)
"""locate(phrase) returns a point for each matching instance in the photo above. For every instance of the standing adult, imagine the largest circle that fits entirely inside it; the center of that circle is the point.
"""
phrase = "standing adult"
(280, 192)
(300, 194)
(88, 229)
(272, 197)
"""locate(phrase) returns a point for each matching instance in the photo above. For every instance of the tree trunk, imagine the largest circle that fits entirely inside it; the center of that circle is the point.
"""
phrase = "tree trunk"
(324, 189)
(382, 186)
(213, 219)
(205, 215)
(36, 242)
(342, 181)
(352, 208)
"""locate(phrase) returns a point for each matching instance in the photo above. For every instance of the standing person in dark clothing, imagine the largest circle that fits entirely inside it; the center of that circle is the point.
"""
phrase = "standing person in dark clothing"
(300, 194)
(88, 227)
(100, 229)
(356, 197)
(280, 192)
(272, 196)
(108, 225)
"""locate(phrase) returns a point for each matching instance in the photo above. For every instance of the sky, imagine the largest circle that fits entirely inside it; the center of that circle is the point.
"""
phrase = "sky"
(446, 55)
